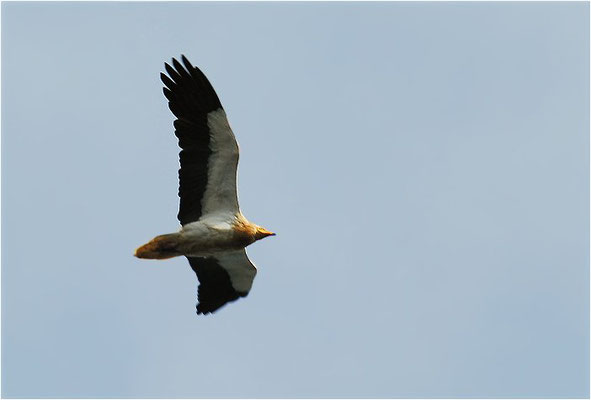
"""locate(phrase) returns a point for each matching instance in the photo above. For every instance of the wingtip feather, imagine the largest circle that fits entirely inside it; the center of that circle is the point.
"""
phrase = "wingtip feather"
(186, 62)
(171, 72)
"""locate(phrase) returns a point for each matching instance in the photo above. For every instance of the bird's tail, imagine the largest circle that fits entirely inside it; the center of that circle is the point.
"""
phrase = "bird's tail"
(160, 248)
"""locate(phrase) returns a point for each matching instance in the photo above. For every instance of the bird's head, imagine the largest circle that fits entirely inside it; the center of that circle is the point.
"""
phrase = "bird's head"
(262, 233)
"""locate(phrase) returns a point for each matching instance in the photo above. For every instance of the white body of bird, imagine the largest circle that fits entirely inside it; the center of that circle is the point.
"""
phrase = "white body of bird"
(214, 232)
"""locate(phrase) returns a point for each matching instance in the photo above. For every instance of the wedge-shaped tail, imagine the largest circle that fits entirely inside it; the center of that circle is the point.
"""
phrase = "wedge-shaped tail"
(160, 248)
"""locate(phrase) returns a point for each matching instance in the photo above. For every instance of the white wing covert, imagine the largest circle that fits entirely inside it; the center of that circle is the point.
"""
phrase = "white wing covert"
(209, 152)
(222, 279)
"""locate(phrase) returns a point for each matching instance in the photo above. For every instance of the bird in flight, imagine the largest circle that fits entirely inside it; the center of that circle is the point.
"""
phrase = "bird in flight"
(214, 232)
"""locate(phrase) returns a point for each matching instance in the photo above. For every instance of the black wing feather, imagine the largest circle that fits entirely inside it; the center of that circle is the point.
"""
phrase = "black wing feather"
(215, 287)
(190, 98)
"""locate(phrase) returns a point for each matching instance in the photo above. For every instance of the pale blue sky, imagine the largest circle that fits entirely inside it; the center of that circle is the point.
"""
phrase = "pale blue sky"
(424, 165)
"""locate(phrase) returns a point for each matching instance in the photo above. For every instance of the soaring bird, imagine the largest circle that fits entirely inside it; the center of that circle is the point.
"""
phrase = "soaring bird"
(214, 232)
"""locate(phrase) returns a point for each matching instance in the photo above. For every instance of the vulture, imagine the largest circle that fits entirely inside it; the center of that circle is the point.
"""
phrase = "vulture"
(214, 233)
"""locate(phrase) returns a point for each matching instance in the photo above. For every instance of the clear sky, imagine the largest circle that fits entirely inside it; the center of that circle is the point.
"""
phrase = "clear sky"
(424, 165)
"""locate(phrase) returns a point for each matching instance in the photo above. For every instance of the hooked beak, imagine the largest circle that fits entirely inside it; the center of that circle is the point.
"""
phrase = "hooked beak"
(267, 233)
(263, 233)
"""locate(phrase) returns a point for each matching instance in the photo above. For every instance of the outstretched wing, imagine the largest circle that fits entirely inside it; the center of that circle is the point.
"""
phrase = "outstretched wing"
(209, 152)
(222, 279)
